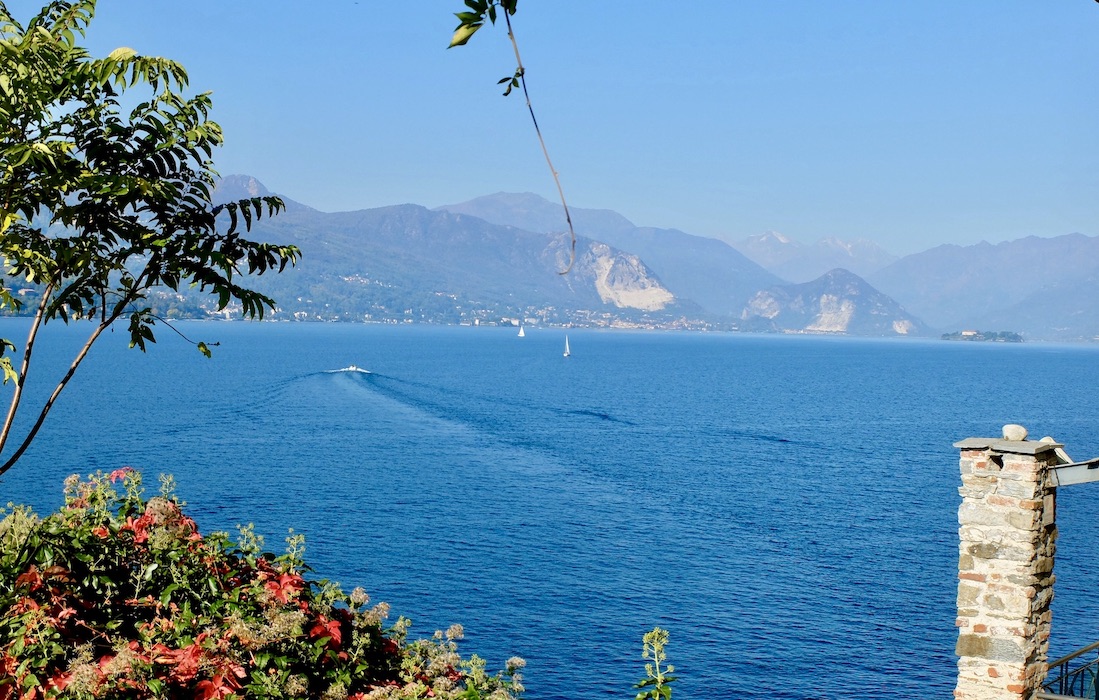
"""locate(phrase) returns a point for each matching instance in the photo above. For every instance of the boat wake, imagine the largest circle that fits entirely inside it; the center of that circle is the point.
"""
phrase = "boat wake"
(349, 368)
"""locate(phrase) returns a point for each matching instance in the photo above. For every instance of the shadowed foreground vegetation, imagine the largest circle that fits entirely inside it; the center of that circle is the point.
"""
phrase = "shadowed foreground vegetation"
(116, 596)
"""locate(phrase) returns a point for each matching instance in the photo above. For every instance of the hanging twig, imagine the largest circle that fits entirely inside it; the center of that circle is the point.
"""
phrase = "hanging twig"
(521, 72)
(470, 22)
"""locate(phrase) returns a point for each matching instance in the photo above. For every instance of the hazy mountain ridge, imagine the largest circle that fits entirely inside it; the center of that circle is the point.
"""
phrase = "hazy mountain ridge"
(480, 260)
(532, 212)
(1032, 284)
(797, 262)
(1064, 310)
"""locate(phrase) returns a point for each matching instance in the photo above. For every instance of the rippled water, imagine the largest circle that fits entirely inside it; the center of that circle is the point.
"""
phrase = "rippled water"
(785, 506)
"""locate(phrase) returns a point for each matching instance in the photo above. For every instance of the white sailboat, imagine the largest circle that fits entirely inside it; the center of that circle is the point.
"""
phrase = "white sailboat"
(567, 351)
(522, 333)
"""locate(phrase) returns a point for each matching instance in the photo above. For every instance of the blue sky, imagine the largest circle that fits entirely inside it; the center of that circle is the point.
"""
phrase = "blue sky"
(907, 123)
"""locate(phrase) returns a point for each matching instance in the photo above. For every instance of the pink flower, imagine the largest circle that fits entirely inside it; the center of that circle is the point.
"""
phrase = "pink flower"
(120, 473)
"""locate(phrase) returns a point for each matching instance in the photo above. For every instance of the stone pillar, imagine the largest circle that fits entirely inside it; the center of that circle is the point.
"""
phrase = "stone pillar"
(1005, 565)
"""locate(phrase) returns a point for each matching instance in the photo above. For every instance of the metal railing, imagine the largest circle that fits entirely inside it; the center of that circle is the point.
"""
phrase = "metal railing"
(1064, 682)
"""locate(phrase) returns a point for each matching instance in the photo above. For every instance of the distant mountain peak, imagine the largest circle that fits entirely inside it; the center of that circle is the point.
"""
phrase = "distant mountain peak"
(775, 236)
(837, 244)
(842, 276)
(234, 187)
(791, 260)
(532, 212)
(529, 197)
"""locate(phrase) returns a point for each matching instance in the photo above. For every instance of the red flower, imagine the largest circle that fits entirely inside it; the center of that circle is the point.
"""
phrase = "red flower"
(59, 681)
(139, 527)
(188, 525)
(327, 628)
(221, 685)
(120, 473)
(25, 605)
(30, 577)
(185, 660)
(284, 586)
(63, 613)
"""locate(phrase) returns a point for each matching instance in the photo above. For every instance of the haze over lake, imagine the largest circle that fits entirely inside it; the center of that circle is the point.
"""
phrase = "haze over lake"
(785, 506)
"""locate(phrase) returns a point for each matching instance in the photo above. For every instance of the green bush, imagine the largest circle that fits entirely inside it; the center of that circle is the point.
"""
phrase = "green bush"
(115, 596)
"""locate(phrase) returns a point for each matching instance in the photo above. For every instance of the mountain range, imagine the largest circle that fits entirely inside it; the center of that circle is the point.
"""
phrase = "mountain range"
(796, 262)
(499, 259)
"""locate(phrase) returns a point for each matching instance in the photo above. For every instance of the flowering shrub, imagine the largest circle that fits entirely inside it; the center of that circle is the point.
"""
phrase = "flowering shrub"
(657, 683)
(115, 596)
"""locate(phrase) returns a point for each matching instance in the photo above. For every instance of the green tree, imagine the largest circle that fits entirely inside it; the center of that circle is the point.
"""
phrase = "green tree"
(100, 203)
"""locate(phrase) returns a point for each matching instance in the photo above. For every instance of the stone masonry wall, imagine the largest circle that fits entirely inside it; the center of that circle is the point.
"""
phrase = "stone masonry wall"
(1005, 566)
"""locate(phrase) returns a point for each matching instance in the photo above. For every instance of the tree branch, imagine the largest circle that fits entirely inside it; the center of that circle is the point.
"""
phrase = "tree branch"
(17, 395)
(56, 392)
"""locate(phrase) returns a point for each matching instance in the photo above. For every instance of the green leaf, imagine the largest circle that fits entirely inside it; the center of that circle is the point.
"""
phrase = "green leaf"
(463, 33)
(166, 595)
(9, 372)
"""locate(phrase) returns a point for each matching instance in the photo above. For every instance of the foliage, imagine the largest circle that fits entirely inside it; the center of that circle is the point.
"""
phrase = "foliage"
(657, 684)
(99, 203)
(116, 596)
(469, 21)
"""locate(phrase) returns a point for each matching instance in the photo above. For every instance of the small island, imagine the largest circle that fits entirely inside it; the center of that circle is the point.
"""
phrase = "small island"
(985, 336)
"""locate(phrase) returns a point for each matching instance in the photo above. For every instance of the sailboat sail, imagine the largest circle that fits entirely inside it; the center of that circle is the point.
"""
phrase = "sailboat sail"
(522, 333)
(567, 351)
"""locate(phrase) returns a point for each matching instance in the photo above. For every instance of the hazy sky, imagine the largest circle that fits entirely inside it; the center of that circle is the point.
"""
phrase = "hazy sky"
(908, 123)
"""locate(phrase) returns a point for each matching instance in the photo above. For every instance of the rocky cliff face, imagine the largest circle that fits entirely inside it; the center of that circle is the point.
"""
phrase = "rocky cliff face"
(837, 302)
(618, 278)
(624, 281)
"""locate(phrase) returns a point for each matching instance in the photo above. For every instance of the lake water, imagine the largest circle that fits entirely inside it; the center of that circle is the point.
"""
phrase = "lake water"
(785, 506)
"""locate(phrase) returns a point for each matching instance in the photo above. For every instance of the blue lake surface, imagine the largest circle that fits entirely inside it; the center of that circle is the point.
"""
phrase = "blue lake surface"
(784, 506)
